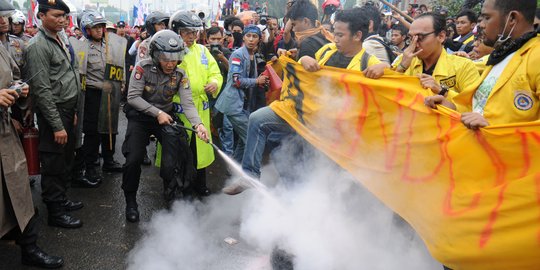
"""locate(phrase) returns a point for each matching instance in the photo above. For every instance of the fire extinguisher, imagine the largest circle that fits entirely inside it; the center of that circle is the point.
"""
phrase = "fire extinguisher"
(30, 144)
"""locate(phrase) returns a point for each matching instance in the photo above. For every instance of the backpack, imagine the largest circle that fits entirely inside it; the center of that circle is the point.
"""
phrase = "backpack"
(389, 51)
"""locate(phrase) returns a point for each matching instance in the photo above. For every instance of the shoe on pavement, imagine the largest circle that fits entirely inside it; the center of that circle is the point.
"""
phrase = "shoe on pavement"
(32, 255)
(234, 188)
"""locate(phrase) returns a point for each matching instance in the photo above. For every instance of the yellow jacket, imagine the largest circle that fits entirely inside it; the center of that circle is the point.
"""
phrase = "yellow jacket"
(515, 97)
(455, 72)
(481, 63)
(325, 52)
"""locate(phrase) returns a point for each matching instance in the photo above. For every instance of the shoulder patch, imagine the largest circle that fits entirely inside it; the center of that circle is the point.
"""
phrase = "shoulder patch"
(236, 61)
(139, 71)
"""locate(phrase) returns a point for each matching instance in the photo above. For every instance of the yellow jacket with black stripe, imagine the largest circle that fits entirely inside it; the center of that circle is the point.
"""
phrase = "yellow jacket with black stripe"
(325, 52)
(455, 72)
(516, 94)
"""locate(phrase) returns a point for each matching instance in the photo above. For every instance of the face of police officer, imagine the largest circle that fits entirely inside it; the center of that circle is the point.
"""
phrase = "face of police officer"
(96, 32)
(464, 26)
(189, 36)
(428, 41)
(251, 41)
(17, 28)
(168, 67)
(53, 20)
(160, 26)
(347, 43)
(4, 25)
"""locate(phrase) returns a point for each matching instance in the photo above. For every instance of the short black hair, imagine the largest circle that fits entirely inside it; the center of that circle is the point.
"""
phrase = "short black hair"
(373, 14)
(525, 7)
(237, 23)
(357, 20)
(213, 30)
(303, 9)
(471, 15)
(228, 20)
(401, 28)
(439, 22)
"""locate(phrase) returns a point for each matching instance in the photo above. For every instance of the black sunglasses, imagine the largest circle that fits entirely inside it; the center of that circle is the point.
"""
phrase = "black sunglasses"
(421, 36)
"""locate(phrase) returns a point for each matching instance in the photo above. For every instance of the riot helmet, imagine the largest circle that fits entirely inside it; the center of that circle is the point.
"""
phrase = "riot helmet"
(18, 17)
(185, 19)
(154, 18)
(6, 8)
(166, 46)
(91, 19)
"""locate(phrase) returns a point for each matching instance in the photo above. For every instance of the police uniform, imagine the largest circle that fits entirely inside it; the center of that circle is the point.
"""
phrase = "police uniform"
(55, 95)
(150, 94)
(95, 74)
(15, 47)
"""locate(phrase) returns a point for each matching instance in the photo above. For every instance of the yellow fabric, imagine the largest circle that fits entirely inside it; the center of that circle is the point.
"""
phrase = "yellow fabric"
(521, 76)
(199, 75)
(473, 197)
(456, 72)
(481, 64)
(326, 51)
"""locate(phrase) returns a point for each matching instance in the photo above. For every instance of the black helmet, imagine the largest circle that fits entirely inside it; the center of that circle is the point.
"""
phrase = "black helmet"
(153, 18)
(185, 19)
(91, 19)
(166, 45)
(6, 8)
(81, 15)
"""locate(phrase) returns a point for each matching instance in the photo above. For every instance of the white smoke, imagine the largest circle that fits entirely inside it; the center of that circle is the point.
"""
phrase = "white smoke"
(320, 214)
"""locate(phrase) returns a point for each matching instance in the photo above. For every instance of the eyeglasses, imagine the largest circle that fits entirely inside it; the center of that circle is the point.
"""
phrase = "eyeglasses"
(421, 36)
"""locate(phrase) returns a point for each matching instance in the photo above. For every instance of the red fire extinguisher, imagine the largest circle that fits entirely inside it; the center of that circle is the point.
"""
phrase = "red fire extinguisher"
(30, 145)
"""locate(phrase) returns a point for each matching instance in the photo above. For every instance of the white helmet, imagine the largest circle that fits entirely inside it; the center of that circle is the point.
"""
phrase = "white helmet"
(18, 17)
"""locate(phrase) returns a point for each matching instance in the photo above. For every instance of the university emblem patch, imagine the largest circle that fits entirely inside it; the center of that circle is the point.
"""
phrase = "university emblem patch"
(523, 101)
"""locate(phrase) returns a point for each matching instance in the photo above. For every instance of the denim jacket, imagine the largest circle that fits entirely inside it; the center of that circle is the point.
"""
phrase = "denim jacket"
(231, 100)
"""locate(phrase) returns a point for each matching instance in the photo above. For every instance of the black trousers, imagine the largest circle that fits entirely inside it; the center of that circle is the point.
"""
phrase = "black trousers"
(55, 159)
(176, 170)
(199, 184)
(92, 138)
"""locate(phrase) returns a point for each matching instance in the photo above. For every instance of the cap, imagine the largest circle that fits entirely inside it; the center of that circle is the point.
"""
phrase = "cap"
(121, 24)
(109, 25)
(54, 4)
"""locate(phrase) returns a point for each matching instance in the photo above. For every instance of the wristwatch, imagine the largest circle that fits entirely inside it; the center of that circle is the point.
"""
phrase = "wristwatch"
(444, 90)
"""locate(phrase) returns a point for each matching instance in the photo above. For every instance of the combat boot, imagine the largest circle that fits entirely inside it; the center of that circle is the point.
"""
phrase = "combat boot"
(132, 211)
(32, 255)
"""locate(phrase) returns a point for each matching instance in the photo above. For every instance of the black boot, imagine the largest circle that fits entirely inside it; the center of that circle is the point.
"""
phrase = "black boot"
(80, 181)
(132, 211)
(58, 217)
(93, 175)
(33, 255)
(70, 205)
(111, 165)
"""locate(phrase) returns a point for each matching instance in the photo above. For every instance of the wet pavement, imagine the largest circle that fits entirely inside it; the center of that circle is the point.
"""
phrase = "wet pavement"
(106, 237)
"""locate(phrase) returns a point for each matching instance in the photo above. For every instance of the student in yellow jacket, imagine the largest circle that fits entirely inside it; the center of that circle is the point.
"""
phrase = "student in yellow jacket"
(509, 91)
(426, 58)
(205, 79)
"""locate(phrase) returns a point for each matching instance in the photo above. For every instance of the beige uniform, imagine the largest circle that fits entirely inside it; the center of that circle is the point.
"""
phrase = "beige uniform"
(95, 70)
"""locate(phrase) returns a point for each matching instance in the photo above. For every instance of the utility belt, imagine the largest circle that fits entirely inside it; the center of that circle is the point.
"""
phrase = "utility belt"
(133, 114)
(92, 88)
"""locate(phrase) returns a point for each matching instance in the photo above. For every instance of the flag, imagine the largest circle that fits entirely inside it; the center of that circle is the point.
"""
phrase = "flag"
(472, 196)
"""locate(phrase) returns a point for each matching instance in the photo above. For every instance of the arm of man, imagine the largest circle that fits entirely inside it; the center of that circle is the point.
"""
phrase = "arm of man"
(466, 76)
(186, 100)
(236, 65)
(38, 59)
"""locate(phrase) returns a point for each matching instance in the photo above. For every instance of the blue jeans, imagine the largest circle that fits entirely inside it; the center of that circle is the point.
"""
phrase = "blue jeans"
(226, 137)
(264, 125)
(239, 123)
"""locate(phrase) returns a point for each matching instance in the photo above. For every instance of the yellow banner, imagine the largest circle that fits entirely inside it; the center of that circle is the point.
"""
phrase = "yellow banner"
(473, 197)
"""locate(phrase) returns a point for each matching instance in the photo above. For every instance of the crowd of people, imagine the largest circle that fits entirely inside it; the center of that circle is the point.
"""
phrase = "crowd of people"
(185, 83)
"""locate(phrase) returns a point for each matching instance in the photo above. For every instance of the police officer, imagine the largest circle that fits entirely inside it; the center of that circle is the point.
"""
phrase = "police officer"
(13, 44)
(153, 84)
(93, 25)
(154, 22)
(55, 94)
(16, 207)
(18, 20)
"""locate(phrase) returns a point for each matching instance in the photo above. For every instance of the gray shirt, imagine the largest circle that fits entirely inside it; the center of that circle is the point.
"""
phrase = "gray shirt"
(95, 70)
(151, 91)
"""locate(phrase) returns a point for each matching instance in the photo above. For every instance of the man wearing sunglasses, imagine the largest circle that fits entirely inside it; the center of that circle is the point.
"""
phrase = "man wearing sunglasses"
(425, 57)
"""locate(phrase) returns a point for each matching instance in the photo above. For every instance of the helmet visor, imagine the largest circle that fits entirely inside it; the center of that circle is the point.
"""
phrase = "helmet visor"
(170, 56)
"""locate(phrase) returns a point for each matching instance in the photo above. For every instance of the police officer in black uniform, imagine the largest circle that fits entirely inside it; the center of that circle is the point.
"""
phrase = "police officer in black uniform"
(153, 84)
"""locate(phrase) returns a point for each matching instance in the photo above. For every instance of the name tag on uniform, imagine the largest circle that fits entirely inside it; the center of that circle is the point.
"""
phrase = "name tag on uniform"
(449, 82)
(114, 73)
